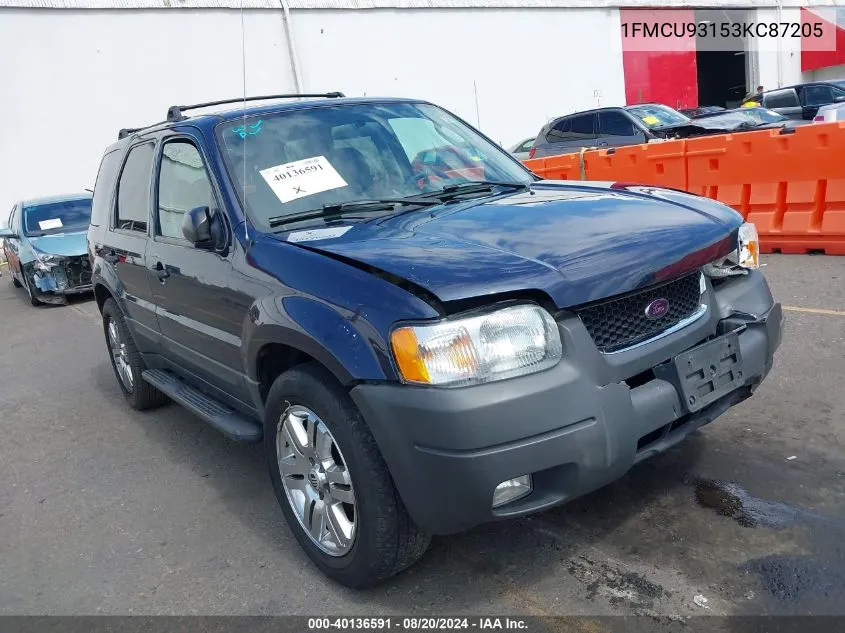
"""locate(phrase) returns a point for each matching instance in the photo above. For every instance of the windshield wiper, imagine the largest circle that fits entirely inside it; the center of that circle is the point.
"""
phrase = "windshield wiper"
(331, 211)
(474, 186)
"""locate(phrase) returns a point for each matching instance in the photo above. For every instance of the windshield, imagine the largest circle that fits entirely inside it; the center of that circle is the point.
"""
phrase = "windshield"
(656, 115)
(51, 218)
(299, 160)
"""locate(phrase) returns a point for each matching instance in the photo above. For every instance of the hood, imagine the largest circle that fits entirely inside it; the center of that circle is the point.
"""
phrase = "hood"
(65, 244)
(576, 243)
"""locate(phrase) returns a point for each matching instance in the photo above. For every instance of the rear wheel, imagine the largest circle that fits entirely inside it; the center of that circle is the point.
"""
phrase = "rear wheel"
(127, 362)
(332, 483)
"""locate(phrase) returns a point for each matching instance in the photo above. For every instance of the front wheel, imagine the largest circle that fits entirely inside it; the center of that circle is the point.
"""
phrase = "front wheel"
(33, 300)
(332, 483)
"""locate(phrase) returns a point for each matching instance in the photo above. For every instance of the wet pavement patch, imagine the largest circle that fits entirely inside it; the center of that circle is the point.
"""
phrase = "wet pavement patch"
(732, 500)
(799, 578)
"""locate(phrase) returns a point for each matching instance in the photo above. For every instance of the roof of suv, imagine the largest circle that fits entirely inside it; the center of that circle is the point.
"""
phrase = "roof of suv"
(236, 111)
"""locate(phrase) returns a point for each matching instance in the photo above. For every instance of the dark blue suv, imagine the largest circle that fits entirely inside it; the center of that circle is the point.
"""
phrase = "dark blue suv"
(423, 334)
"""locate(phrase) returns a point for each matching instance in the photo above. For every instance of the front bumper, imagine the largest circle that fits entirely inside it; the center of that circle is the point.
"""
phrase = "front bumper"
(574, 428)
(70, 276)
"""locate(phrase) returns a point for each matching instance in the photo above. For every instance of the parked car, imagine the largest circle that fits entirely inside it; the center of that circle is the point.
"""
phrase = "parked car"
(743, 119)
(700, 110)
(45, 246)
(803, 100)
(828, 113)
(520, 150)
(418, 355)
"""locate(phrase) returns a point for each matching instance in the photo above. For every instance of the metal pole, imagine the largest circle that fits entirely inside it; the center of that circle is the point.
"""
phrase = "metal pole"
(294, 60)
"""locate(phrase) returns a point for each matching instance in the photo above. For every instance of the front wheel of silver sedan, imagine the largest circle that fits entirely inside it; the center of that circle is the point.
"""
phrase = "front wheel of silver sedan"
(332, 483)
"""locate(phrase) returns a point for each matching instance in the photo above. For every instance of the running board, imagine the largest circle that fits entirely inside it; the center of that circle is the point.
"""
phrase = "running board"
(232, 424)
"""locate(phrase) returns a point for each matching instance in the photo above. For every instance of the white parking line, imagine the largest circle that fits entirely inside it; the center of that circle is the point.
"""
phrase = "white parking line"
(814, 311)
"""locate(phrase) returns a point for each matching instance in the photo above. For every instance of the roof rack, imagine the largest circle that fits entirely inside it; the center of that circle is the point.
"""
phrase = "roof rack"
(174, 113)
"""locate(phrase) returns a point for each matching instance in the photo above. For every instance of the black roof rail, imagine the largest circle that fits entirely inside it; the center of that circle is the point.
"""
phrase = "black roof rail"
(174, 113)
(129, 131)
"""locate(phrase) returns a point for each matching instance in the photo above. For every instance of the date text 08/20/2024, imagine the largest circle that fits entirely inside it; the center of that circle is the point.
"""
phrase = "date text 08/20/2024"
(416, 623)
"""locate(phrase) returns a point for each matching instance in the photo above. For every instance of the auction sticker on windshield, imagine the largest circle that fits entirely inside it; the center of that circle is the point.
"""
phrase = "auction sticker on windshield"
(302, 178)
(46, 225)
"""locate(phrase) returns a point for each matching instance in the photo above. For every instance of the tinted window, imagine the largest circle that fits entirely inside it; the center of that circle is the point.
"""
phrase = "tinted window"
(103, 188)
(299, 160)
(56, 217)
(615, 124)
(583, 126)
(526, 146)
(817, 95)
(133, 190)
(560, 131)
(784, 99)
(183, 185)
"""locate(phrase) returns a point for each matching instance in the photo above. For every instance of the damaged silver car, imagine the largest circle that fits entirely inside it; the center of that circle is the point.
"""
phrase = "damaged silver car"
(45, 246)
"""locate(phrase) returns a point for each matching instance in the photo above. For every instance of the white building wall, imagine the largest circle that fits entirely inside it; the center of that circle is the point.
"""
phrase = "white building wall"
(69, 80)
(779, 68)
(824, 74)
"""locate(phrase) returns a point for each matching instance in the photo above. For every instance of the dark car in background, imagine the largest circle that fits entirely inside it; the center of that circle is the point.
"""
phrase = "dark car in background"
(802, 101)
(45, 245)
(743, 119)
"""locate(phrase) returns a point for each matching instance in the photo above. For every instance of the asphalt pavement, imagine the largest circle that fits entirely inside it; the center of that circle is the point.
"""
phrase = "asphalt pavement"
(104, 510)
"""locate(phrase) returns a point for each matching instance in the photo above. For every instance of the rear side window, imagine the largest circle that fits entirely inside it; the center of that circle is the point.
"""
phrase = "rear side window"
(103, 187)
(615, 124)
(133, 190)
(785, 99)
(583, 126)
(818, 95)
(560, 131)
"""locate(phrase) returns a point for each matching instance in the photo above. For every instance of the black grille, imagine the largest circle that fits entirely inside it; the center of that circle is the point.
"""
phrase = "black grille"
(621, 322)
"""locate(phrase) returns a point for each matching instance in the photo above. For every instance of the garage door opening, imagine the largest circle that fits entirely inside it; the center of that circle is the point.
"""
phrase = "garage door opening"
(721, 67)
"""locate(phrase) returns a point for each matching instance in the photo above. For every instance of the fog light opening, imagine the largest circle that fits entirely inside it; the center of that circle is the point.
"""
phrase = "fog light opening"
(511, 490)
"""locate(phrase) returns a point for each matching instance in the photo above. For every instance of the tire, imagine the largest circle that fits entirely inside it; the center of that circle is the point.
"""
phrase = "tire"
(15, 281)
(33, 300)
(138, 393)
(385, 540)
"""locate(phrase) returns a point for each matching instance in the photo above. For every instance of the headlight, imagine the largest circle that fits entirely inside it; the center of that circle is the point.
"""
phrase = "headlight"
(44, 262)
(512, 341)
(748, 247)
(746, 256)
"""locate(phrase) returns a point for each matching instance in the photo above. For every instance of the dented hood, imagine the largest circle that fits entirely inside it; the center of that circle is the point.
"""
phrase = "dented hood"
(576, 243)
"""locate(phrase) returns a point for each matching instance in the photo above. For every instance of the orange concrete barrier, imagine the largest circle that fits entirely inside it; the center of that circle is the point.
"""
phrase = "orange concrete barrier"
(792, 186)
(563, 167)
(656, 162)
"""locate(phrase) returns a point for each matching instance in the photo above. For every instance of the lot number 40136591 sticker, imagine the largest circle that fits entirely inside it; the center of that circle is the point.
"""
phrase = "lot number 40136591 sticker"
(302, 178)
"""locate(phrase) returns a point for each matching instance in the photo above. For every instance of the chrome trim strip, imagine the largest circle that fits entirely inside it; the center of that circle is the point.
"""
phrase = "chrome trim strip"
(695, 316)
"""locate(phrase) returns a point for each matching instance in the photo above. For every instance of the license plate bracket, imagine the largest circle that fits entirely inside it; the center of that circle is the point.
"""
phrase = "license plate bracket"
(705, 373)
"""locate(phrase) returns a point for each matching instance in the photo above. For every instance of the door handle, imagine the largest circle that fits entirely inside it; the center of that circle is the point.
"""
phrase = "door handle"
(161, 272)
(111, 257)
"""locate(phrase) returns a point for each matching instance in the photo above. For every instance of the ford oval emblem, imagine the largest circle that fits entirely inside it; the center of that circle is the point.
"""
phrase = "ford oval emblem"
(657, 309)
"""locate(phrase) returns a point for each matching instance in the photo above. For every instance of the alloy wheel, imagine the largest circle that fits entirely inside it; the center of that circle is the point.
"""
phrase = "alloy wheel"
(316, 480)
(120, 356)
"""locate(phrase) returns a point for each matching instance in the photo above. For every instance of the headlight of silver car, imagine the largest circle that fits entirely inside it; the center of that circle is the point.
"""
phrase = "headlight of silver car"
(45, 262)
(512, 341)
(746, 256)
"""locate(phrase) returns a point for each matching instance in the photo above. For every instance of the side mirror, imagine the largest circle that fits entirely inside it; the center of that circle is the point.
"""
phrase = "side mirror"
(204, 229)
(8, 234)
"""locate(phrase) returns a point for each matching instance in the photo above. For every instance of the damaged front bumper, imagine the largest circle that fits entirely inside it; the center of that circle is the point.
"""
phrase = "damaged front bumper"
(63, 276)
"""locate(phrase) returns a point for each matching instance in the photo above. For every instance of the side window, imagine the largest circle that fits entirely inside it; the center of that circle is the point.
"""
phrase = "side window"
(785, 99)
(583, 127)
(561, 131)
(133, 190)
(103, 188)
(183, 184)
(526, 146)
(615, 124)
(817, 95)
